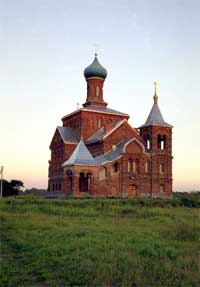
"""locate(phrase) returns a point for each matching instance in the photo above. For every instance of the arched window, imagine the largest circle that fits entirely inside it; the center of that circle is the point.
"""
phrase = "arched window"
(99, 123)
(115, 168)
(59, 187)
(148, 144)
(162, 188)
(102, 173)
(97, 91)
(53, 186)
(161, 168)
(147, 166)
(162, 142)
(130, 165)
(135, 166)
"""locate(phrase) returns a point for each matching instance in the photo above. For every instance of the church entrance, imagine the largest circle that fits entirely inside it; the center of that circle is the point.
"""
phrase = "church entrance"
(132, 190)
(84, 182)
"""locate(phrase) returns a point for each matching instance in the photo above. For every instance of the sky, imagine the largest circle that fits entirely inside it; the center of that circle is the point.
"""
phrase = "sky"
(45, 46)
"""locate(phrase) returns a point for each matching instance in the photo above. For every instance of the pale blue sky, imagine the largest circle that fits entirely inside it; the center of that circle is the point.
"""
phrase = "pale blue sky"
(45, 46)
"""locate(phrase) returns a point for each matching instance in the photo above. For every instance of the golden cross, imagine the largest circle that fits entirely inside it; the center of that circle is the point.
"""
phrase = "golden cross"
(155, 86)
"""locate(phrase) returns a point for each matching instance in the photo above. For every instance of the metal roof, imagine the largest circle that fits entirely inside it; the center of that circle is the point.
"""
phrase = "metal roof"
(69, 134)
(155, 118)
(101, 133)
(112, 155)
(103, 110)
(80, 155)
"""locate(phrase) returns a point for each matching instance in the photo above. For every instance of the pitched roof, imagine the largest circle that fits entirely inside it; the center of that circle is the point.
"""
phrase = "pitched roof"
(116, 153)
(69, 134)
(101, 133)
(98, 110)
(112, 155)
(80, 156)
(155, 118)
(103, 110)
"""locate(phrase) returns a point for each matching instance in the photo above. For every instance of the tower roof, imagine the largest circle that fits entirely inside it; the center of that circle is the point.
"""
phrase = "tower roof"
(155, 117)
(81, 155)
(95, 70)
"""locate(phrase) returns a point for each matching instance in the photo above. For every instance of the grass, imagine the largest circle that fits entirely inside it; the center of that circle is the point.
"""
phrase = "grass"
(99, 242)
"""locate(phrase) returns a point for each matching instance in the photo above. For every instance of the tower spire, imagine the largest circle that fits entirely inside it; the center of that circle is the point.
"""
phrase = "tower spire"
(155, 97)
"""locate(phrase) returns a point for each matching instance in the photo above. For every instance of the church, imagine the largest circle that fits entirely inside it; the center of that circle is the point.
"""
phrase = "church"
(96, 152)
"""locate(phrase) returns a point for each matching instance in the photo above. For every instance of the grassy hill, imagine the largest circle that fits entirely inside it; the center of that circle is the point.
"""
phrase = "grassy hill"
(100, 242)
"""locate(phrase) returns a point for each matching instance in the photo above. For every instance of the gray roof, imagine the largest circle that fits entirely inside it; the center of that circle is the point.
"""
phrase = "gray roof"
(155, 118)
(69, 134)
(112, 155)
(80, 155)
(103, 110)
(99, 134)
(96, 109)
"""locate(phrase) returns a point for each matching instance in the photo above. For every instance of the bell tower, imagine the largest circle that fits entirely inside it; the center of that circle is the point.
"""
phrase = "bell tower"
(157, 136)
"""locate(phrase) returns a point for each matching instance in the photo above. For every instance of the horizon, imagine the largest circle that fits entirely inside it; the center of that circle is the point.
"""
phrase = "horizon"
(46, 46)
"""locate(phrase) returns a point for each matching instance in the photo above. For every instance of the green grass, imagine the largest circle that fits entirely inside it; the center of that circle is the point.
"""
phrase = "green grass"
(99, 242)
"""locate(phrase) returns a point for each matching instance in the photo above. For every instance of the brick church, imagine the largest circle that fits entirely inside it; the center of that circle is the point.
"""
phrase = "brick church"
(96, 152)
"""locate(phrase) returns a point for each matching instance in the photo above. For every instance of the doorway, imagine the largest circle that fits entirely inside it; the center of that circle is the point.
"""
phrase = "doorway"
(132, 190)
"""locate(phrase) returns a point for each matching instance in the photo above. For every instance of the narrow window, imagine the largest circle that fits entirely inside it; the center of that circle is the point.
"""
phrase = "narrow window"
(53, 187)
(148, 144)
(161, 142)
(99, 123)
(56, 186)
(135, 166)
(147, 166)
(102, 173)
(161, 168)
(59, 186)
(115, 168)
(97, 91)
(130, 165)
(162, 188)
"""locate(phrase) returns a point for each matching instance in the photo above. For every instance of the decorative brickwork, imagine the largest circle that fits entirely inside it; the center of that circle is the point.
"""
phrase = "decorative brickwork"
(97, 153)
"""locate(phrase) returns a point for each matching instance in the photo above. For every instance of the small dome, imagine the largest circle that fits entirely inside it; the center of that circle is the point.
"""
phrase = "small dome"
(95, 70)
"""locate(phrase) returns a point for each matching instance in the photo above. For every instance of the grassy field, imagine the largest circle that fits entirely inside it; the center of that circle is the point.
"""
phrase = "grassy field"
(99, 242)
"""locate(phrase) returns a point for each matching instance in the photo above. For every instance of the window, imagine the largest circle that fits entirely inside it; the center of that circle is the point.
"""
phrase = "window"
(161, 142)
(162, 188)
(102, 173)
(130, 165)
(99, 123)
(56, 186)
(59, 187)
(134, 166)
(97, 91)
(161, 168)
(147, 166)
(115, 168)
(148, 144)
(53, 186)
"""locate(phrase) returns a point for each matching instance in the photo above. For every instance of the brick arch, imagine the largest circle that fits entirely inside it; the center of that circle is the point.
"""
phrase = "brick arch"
(138, 145)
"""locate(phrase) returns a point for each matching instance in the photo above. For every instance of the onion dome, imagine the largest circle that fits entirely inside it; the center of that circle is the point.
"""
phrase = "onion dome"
(95, 70)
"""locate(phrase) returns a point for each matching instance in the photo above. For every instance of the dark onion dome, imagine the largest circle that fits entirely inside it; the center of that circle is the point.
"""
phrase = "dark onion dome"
(95, 70)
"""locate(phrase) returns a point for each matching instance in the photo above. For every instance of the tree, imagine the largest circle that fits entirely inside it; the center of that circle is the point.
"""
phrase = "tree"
(12, 188)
